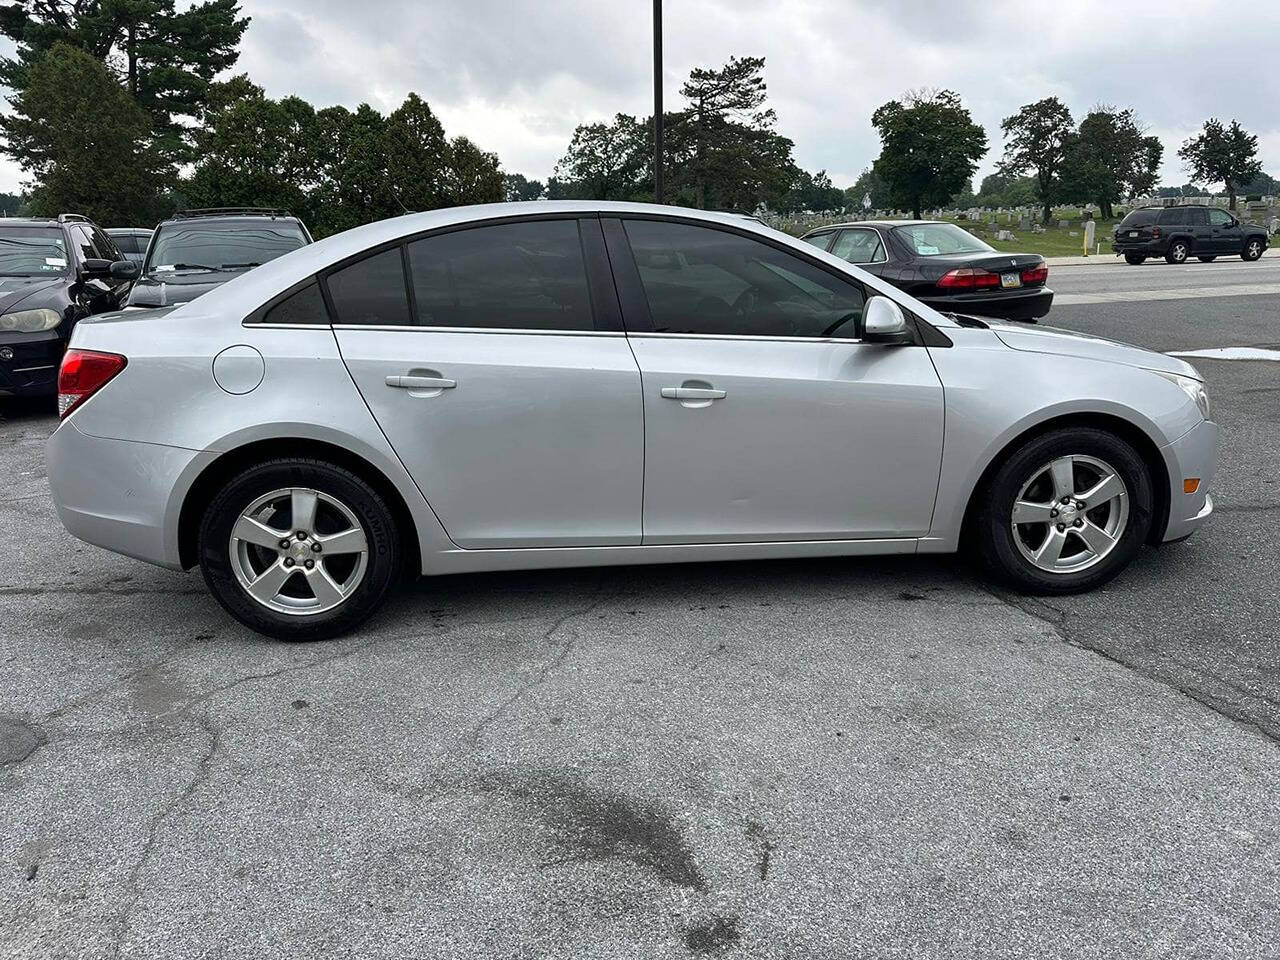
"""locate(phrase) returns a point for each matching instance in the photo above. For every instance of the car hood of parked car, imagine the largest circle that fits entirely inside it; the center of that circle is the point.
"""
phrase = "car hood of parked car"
(1068, 343)
(14, 290)
(167, 289)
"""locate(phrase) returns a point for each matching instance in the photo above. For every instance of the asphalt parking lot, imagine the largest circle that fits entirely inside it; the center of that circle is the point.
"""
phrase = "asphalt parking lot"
(880, 757)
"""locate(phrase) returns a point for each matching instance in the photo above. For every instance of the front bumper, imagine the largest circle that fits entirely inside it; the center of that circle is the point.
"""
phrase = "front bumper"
(120, 494)
(29, 363)
(1194, 454)
(1029, 305)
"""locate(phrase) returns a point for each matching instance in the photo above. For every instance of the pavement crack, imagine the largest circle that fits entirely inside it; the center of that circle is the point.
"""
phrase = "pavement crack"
(132, 883)
(1059, 621)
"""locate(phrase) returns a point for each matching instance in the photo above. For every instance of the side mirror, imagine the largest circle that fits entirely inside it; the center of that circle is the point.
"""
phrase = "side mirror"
(884, 322)
(124, 270)
(94, 267)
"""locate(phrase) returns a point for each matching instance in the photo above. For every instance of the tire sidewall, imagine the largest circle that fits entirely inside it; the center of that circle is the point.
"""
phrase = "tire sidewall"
(373, 513)
(1176, 245)
(1248, 255)
(996, 535)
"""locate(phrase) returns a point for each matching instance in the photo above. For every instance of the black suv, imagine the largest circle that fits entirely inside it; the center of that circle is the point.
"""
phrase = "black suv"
(1191, 230)
(196, 250)
(53, 273)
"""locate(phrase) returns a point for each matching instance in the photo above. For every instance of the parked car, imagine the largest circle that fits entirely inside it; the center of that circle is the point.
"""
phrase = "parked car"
(197, 250)
(131, 241)
(1190, 230)
(944, 265)
(556, 384)
(53, 273)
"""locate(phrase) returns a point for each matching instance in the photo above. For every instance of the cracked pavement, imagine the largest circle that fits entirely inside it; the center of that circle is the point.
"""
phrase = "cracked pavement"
(879, 757)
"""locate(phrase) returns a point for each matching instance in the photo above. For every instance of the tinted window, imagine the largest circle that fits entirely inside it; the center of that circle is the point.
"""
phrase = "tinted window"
(126, 244)
(859, 246)
(700, 280)
(1173, 217)
(1139, 218)
(1197, 216)
(104, 243)
(1220, 218)
(31, 251)
(304, 306)
(371, 291)
(226, 245)
(821, 240)
(88, 243)
(940, 240)
(523, 276)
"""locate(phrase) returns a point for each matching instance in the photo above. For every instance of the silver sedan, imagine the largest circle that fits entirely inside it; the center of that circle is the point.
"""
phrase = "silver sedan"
(573, 384)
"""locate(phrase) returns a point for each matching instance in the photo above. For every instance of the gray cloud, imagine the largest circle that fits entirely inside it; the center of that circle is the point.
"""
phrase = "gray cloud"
(518, 76)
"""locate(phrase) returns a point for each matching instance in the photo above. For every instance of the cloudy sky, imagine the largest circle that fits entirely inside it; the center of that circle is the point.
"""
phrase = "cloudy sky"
(516, 77)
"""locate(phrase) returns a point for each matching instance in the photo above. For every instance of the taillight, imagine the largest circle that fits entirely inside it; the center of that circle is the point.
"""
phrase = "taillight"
(82, 374)
(1155, 233)
(1033, 275)
(969, 278)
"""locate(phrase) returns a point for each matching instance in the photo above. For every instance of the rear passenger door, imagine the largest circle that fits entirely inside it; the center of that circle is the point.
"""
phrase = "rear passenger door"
(493, 358)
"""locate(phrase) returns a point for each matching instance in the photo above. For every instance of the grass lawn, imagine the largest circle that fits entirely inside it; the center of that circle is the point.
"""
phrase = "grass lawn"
(1054, 242)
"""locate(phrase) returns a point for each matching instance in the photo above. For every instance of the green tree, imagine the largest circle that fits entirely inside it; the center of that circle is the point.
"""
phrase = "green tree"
(605, 161)
(1110, 159)
(77, 162)
(417, 155)
(868, 184)
(519, 187)
(10, 203)
(472, 175)
(1036, 139)
(166, 58)
(1222, 154)
(930, 149)
(351, 170)
(1005, 190)
(815, 192)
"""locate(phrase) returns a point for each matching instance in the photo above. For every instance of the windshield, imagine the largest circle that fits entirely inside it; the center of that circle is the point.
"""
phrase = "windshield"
(32, 252)
(940, 240)
(221, 246)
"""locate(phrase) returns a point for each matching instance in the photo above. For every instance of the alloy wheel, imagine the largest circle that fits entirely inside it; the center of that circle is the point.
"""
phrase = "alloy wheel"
(298, 551)
(1255, 249)
(1070, 514)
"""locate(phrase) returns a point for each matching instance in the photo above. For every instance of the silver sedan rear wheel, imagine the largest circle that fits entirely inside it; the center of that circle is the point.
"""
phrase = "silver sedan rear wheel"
(298, 551)
(1070, 514)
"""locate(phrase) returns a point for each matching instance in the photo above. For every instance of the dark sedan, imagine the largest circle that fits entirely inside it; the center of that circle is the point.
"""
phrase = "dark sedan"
(945, 266)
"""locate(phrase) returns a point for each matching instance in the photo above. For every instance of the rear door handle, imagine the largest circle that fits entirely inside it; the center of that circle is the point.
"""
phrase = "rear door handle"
(422, 383)
(692, 393)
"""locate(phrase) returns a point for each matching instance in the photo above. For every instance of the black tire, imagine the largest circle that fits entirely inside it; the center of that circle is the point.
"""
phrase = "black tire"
(1135, 259)
(1207, 259)
(1253, 247)
(993, 531)
(1178, 252)
(376, 521)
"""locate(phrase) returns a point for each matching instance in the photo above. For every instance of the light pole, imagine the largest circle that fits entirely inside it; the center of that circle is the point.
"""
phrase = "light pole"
(657, 101)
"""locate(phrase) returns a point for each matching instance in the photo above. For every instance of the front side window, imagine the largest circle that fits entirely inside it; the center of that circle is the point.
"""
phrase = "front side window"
(513, 276)
(704, 281)
(859, 246)
(1220, 218)
(90, 249)
(231, 245)
(32, 251)
(371, 291)
(940, 240)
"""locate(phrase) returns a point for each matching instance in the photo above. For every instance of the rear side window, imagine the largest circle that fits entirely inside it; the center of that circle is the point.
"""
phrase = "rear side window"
(371, 291)
(1197, 216)
(126, 244)
(304, 306)
(514, 276)
(1173, 217)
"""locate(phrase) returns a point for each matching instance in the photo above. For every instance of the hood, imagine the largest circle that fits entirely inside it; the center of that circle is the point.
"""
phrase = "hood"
(14, 290)
(1068, 343)
(167, 289)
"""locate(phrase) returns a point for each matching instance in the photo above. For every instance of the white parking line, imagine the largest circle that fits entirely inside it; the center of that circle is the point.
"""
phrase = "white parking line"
(1177, 293)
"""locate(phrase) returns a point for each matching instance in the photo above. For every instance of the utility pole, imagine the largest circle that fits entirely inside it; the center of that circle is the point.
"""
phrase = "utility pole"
(657, 101)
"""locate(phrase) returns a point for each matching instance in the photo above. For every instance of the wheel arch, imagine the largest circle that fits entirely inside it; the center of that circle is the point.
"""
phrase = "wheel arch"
(216, 474)
(1125, 429)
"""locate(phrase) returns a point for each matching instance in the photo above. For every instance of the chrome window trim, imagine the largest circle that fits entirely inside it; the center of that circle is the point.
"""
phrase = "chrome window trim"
(645, 335)
(522, 331)
(884, 247)
(286, 326)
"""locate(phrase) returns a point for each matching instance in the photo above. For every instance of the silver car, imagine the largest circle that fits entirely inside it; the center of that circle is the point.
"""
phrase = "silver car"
(574, 384)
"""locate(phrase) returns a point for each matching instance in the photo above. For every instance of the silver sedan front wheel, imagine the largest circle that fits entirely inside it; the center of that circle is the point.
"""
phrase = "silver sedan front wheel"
(298, 551)
(1070, 514)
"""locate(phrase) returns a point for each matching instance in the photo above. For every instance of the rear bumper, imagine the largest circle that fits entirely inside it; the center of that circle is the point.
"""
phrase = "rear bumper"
(119, 494)
(1144, 248)
(32, 369)
(1194, 454)
(1028, 305)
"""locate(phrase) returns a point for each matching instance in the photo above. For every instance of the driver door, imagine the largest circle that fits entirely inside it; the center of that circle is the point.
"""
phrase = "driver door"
(765, 418)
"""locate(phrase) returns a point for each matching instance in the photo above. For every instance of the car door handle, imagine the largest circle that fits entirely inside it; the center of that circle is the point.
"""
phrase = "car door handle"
(421, 383)
(692, 393)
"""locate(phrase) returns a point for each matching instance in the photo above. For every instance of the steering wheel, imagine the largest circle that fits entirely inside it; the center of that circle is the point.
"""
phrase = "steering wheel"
(853, 314)
(746, 301)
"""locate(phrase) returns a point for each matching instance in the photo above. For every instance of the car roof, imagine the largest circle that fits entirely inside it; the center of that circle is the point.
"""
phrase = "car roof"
(882, 224)
(31, 222)
(111, 231)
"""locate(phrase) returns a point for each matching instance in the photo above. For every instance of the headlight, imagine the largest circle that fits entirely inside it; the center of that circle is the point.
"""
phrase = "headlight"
(1192, 387)
(30, 321)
